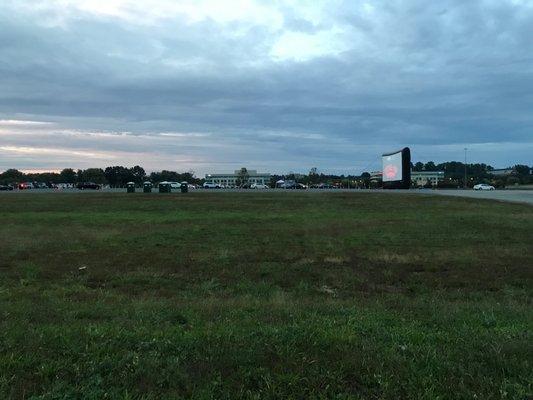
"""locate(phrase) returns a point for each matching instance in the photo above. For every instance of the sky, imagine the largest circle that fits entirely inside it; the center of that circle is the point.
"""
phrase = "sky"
(276, 86)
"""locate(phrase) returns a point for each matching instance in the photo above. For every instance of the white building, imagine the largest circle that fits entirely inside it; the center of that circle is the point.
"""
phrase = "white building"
(420, 178)
(502, 171)
(262, 178)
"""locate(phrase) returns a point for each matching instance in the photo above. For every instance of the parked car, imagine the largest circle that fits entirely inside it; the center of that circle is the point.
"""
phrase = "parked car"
(211, 185)
(259, 186)
(64, 186)
(483, 186)
(88, 185)
(25, 185)
(6, 187)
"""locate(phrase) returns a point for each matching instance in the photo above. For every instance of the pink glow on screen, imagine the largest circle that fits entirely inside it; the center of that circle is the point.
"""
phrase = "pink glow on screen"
(391, 171)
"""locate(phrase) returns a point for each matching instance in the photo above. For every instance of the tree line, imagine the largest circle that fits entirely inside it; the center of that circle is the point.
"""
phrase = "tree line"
(114, 176)
(454, 173)
(118, 176)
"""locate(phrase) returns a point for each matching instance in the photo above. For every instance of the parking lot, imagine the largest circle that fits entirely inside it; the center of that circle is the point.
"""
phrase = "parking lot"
(517, 196)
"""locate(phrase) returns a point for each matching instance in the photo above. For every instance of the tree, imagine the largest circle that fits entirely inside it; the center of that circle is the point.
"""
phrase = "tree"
(67, 175)
(95, 175)
(430, 166)
(418, 166)
(512, 180)
(171, 176)
(188, 177)
(242, 177)
(45, 177)
(118, 176)
(313, 175)
(365, 176)
(455, 170)
(139, 174)
(11, 176)
(522, 170)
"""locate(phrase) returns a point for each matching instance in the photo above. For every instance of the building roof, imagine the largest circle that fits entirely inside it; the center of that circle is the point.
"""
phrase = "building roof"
(427, 173)
(251, 173)
(501, 171)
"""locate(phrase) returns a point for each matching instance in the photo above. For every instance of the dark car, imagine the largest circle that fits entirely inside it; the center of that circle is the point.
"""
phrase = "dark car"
(6, 187)
(88, 185)
(25, 185)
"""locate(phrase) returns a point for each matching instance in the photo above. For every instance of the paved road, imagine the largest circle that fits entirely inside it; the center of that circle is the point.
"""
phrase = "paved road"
(517, 196)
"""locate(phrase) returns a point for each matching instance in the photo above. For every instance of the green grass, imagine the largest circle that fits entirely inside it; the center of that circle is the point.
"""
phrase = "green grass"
(264, 296)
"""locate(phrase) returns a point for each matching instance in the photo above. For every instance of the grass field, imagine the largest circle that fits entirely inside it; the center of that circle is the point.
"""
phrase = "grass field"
(264, 296)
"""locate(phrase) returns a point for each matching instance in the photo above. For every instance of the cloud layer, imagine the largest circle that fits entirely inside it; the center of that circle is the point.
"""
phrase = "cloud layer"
(278, 86)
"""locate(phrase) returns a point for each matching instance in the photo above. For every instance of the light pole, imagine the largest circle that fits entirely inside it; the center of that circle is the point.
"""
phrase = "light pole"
(465, 168)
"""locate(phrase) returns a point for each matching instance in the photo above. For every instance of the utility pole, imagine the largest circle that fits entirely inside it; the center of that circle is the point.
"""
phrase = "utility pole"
(465, 168)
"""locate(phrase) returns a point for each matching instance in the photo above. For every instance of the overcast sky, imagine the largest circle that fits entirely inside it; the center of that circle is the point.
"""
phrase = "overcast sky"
(277, 86)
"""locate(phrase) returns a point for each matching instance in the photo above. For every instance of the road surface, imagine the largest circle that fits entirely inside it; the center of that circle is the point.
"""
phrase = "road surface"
(518, 196)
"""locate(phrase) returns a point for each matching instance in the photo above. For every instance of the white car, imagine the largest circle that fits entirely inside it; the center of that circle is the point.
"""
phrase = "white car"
(483, 186)
(259, 186)
(211, 185)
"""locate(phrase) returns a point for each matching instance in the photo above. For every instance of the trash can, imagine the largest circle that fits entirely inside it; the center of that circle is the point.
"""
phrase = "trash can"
(147, 187)
(130, 187)
(164, 187)
(184, 187)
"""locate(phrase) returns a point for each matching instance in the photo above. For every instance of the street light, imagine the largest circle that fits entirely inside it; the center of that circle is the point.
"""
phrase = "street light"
(465, 167)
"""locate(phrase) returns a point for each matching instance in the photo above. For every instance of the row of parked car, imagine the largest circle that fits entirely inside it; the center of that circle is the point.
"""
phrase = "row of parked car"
(41, 185)
(178, 185)
(173, 185)
(211, 185)
(279, 185)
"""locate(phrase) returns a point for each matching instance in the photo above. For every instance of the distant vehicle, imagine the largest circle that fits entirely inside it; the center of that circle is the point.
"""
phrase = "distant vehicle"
(40, 185)
(64, 186)
(6, 187)
(88, 185)
(211, 185)
(300, 186)
(25, 185)
(288, 184)
(483, 186)
(174, 185)
(325, 186)
(259, 186)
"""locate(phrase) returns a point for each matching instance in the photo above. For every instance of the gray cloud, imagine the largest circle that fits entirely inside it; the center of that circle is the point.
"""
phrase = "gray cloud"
(288, 87)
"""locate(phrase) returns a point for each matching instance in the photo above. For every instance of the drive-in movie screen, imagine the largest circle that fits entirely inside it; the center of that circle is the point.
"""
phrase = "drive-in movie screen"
(392, 167)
